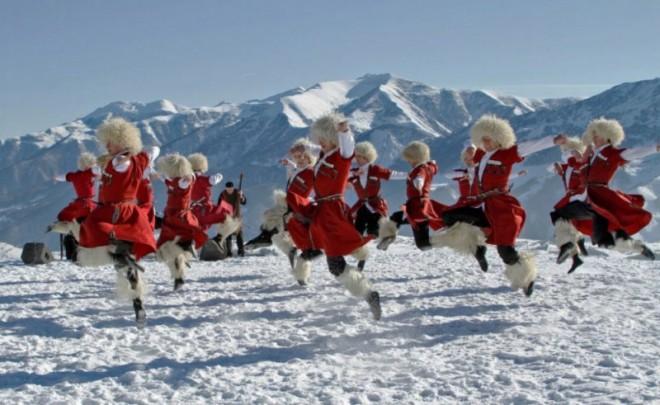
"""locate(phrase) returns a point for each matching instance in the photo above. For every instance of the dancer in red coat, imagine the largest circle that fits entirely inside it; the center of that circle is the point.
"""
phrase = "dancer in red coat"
(616, 216)
(420, 211)
(145, 197)
(573, 214)
(331, 228)
(83, 181)
(118, 231)
(365, 180)
(491, 206)
(202, 192)
(180, 232)
(287, 223)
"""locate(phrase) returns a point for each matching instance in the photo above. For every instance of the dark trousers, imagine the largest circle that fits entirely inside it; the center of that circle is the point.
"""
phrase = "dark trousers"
(366, 220)
(477, 217)
(336, 265)
(469, 215)
(239, 242)
(420, 230)
(580, 210)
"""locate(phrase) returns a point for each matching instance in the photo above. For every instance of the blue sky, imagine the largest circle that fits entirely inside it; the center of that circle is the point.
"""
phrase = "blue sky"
(62, 59)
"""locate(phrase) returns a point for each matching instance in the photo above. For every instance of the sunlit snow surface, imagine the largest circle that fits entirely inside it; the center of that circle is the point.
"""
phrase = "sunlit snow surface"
(242, 331)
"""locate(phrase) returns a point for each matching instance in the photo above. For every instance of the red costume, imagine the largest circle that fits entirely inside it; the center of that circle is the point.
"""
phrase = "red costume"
(504, 212)
(332, 228)
(463, 180)
(623, 211)
(178, 219)
(117, 216)
(298, 190)
(145, 200)
(206, 213)
(420, 207)
(83, 183)
(370, 194)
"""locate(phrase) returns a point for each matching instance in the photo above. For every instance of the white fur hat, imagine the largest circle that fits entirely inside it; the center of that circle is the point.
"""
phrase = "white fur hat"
(174, 165)
(416, 152)
(573, 144)
(307, 147)
(326, 128)
(122, 133)
(496, 128)
(608, 129)
(86, 161)
(199, 162)
(366, 150)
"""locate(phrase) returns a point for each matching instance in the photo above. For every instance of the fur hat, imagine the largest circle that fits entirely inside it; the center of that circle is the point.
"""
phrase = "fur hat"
(496, 128)
(174, 165)
(86, 161)
(366, 150)
(305, 144)
(199, 162)
(573, 144)
(122, 133)
(326, 128)
(416, 152)
(608, 129)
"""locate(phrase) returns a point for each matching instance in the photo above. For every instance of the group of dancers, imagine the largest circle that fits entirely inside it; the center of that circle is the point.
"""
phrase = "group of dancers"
(310, 218)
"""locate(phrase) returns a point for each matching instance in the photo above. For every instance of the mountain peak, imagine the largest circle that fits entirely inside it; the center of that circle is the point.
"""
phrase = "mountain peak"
(132, 111)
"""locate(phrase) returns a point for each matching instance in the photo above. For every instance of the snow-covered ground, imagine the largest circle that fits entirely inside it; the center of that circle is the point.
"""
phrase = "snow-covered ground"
(241, 331)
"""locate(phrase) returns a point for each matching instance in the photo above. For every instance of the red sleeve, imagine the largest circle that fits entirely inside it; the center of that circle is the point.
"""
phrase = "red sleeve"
(614, 155)
(510, 156)
(70, 176)
(381, 172)
(141, 160)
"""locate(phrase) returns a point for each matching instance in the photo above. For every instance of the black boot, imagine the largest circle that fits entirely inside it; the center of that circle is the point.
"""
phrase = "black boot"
(582, 247)
(140, 313)
(360, 264)
(577, 262)
(228, 245)
(529, 290)
(178, 283)
(71, 248)
(565, 251)
(292, 257)
(239, 244)
(264, 239)
(648, 253)
(480, 255)
(188, 246)
(311, 254)
(373, 299)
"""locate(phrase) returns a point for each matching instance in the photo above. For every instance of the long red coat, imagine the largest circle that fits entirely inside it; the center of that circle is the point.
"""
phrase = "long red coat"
(419, 206)
(465, 197)
(82, 206)
(145, 200)
(298, 190)
(117, 215)
(332, 227)
(178, 219)
(503, 211)
(624, 211)
(370, 194)
(201, 201)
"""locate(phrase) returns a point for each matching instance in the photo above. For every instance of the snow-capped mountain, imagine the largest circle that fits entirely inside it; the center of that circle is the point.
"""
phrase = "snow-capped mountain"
(250, 137)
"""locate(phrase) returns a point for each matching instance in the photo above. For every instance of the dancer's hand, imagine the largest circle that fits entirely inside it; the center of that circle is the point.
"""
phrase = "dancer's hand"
(342, 126)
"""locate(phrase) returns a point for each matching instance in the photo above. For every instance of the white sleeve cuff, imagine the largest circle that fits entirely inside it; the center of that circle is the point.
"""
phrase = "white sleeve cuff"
(418, 182)
(638, 153)
(346, 144)
(535, 145)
